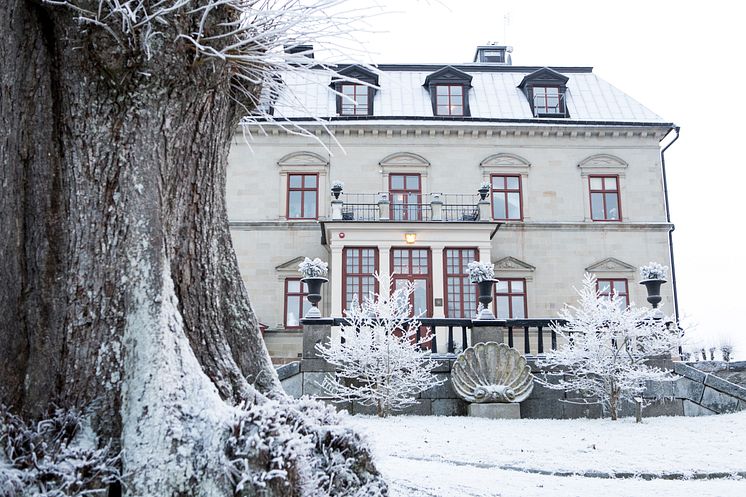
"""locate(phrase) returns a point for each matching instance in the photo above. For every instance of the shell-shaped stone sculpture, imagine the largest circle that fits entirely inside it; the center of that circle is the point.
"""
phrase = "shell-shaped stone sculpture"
(492, 372)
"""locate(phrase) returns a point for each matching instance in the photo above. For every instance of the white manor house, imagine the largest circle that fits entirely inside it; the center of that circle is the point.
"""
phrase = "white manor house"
(573, 170)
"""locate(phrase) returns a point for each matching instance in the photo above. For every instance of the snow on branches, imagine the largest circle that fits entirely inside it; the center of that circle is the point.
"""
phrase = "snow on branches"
(379, 360)
(262, 43)
(606, 348)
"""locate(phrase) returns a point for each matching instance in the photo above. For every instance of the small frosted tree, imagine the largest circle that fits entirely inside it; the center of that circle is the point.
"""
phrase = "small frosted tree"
(380, 359)
(606, 348)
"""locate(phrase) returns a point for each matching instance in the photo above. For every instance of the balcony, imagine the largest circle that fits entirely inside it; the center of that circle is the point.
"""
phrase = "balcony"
(431, 207)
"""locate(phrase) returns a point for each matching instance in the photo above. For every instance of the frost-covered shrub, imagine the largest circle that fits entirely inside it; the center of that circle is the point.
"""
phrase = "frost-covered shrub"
(313, 268)
(481, 271)
(337, 184)
(484, 185)
(298, 447)
(54, 457)
(727, 351)
(653, 271)
(379, 361)
(606, 347)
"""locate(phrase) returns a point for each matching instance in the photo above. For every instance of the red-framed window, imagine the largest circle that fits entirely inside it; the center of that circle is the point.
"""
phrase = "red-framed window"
(548, 100)
(449, 100)
(461, 294)
(414, 265)
(608, 286)
(605, 203)
(303, 195)
(510, 298)
(356, 102)
(507, 201)
(358, 266)
(405, 191)
(296, 303)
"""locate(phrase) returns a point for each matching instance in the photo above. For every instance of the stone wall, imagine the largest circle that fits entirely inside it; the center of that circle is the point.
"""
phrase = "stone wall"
(734, 372)
(690, 393)
(707, 393)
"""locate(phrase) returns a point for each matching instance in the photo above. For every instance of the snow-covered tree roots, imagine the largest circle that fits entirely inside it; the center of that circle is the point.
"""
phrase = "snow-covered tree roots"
(130, 358)
(284, 447)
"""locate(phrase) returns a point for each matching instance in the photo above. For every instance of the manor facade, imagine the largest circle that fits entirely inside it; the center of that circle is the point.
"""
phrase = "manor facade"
(570, 169)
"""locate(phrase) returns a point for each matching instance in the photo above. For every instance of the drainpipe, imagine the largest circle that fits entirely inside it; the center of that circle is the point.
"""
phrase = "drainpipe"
(668, 220)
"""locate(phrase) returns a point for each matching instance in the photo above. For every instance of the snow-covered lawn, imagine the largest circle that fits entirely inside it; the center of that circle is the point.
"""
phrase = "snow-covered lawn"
(463, 457)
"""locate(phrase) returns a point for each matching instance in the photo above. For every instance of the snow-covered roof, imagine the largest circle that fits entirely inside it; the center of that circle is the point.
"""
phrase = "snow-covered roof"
(494, 94)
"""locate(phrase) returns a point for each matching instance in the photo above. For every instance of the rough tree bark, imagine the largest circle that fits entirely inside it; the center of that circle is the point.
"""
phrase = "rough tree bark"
(119, 289)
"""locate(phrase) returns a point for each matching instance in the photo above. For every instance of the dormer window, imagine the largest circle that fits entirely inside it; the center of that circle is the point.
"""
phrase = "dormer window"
(355, 89)
(546, 92)
(449, 92)
(547, 100)
(449, 100)
(355, 101)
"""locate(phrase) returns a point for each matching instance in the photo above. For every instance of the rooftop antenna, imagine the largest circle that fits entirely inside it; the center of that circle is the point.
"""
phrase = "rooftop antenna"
(506, 22)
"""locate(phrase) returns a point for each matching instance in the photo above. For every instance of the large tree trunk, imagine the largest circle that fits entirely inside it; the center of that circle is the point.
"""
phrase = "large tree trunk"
(114, 180)
(119, 289)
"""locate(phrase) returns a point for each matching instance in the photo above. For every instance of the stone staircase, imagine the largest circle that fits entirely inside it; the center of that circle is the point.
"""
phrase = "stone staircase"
(705, 393)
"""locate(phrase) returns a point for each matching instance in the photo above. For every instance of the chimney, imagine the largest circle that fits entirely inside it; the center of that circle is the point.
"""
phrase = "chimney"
(300, 49)
(492, 53)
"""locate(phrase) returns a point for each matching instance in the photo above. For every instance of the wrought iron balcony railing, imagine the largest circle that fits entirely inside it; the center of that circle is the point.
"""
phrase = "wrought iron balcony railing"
(444, 207)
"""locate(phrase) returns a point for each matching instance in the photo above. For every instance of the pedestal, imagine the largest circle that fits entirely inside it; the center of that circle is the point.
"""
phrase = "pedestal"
(510, 410)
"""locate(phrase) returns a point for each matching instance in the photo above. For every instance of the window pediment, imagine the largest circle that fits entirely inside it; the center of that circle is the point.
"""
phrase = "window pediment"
(355, 72)
(544, 76)
(610, 265)
(404, 159)
(601, 163)
(303, 160)
(289, 269)
(448, 75)
(504, 161)
(512, 264)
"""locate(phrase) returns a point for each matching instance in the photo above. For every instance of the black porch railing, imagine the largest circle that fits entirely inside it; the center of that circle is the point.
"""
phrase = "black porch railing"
(453, 207)
(450, 336)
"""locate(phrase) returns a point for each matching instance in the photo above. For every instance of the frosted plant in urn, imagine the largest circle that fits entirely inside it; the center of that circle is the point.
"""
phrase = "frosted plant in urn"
(484, 185)
(481, 271)
(313, 268)
(653, 271)
(338, 184)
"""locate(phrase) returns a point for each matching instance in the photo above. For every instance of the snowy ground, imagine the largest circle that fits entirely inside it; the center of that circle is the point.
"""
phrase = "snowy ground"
(464, 457)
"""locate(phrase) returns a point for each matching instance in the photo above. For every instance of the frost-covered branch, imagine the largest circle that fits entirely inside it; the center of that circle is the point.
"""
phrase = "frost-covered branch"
(380, 361)
(57, 456)
(606, 348)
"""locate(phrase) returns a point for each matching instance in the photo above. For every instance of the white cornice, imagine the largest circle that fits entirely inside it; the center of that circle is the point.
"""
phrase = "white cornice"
(395, 129)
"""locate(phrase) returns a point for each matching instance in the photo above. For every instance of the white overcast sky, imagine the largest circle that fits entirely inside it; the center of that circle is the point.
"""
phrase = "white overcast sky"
(683, 60)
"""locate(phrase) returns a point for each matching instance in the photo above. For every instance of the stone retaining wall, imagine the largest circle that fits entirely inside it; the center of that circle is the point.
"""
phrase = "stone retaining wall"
(706, 393)
(691, 393)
